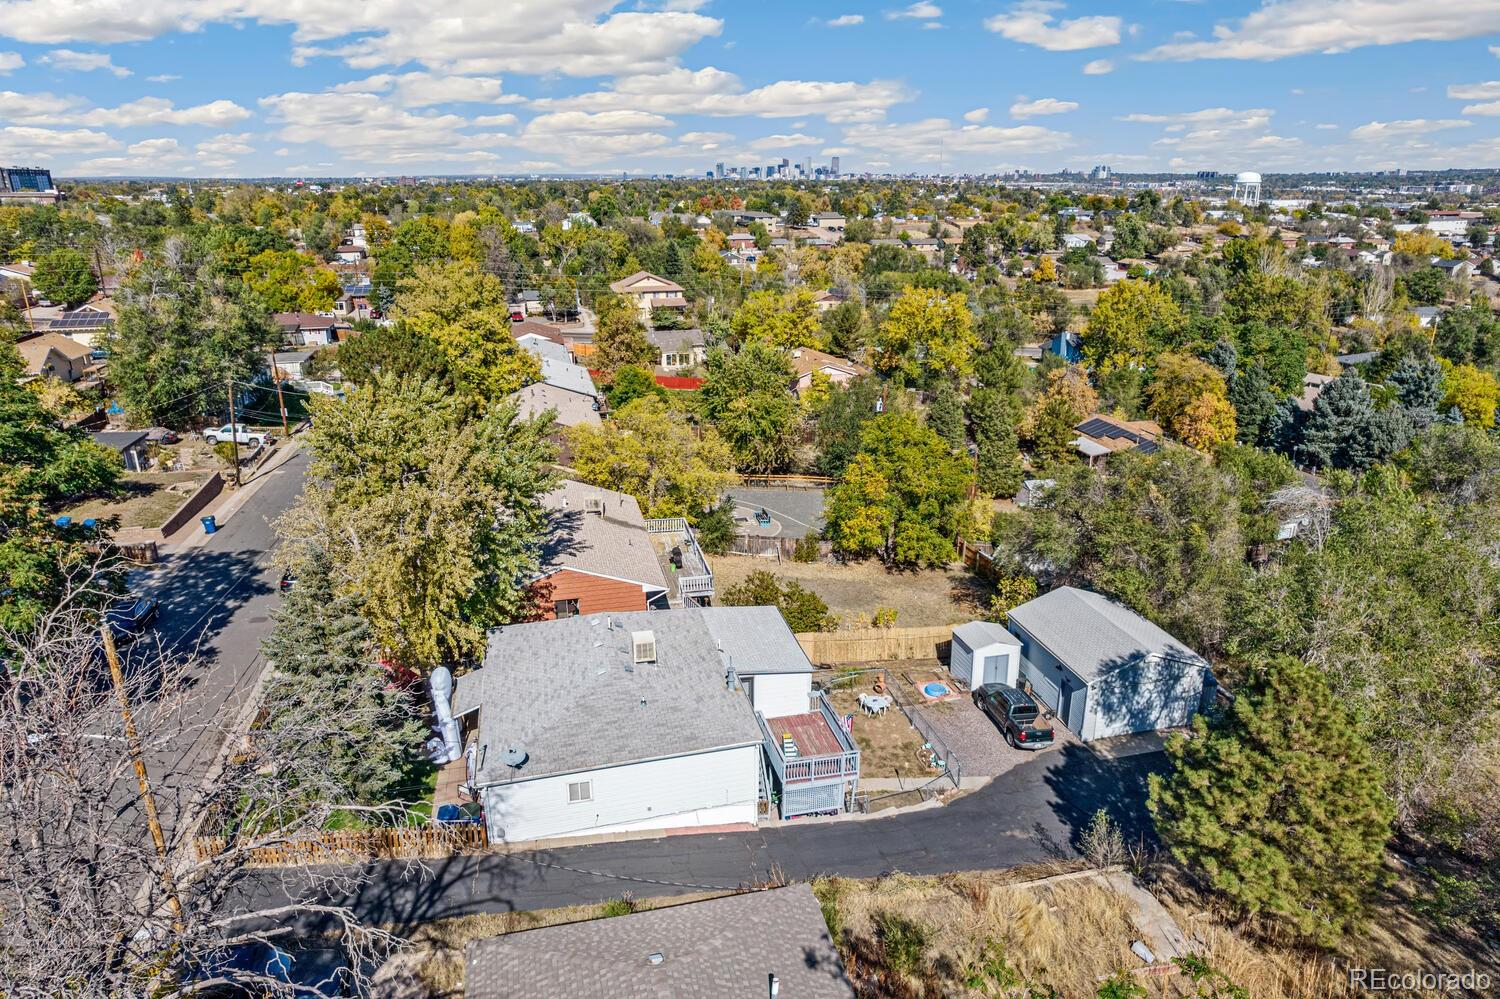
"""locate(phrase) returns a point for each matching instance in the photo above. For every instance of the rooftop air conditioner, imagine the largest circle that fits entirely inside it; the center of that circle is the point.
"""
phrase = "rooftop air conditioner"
(643, 646)
(593, 504)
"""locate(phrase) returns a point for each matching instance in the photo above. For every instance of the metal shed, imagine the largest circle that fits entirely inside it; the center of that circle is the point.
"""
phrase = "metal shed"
(984, 652)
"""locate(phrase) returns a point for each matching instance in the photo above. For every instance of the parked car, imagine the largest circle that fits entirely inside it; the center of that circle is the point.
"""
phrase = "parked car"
(287, 581)
(131, 616)
(161, 435)
(236, 432)
(1017, 713)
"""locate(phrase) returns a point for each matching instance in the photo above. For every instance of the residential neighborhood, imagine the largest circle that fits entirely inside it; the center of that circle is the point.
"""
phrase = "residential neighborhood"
(684, 533)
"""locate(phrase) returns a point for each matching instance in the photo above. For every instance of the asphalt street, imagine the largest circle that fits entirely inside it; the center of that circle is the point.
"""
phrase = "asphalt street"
(1035, 812)
(216, 601)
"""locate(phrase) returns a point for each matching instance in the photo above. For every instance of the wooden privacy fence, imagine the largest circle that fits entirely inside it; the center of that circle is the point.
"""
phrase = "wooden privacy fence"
(781, 549)
(979, 558)
(873, 645)
(345, 845)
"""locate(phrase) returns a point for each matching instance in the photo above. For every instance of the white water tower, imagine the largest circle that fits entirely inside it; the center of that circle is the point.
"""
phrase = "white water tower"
(1247, 188)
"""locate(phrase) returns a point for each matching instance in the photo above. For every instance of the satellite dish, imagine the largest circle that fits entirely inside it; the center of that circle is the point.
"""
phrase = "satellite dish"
(513, 756)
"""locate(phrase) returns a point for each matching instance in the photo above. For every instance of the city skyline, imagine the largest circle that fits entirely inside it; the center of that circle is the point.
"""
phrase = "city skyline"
(242, 88)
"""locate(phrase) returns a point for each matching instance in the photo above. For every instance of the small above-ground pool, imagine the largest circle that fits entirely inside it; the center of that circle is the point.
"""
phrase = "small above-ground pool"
(936, 690)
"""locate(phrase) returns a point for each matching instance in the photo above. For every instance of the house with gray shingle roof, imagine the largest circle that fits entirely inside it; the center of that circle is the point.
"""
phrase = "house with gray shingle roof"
(726, 948)
(609, 722)
(1103, 669)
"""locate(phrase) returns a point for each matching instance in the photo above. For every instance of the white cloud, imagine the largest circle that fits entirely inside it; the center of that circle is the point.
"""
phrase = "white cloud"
(1487, 91)
(495, 120)
(977, 115)
(1489, 108)
(922, 10)
(706, 138)
(226, 144)
(1297, 27)
(48, 109)
(1216, 132)
(1495, 50)
(83, 62)
(1024, 108)
(714, 92)
(155, 149)
(367, 128)
(1386, 130)
(163, 78)
(846, 21)
(564, 123)
(782, 141)
(1098, 67)
(417, 89)
(10, 62)
(569, 37)
(1034, 22)
(927, 141)
(1217, 117)
(24, 141)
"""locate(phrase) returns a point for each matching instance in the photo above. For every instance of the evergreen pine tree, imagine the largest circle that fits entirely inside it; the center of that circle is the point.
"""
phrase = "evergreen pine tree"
(1338, 431)
(329, 694)
(1419, 388)
(1279, 804)
(945, 415)
(1000, 463)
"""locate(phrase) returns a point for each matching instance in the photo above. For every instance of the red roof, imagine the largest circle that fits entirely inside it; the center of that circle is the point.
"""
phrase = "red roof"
(676, 383)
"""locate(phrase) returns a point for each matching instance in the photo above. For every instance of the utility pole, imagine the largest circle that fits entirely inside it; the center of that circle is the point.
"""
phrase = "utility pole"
(234, 430)
(148, 799)
(280, 401)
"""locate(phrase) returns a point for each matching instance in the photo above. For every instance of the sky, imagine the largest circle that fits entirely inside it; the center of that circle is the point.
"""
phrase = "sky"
(380, 87)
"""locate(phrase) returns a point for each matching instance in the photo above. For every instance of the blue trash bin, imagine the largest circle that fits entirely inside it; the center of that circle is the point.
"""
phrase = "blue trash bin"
(90, 524)
(210, 525)
(63, 521)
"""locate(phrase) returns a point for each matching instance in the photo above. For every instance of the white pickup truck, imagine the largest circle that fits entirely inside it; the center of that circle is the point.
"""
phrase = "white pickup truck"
(237, 432)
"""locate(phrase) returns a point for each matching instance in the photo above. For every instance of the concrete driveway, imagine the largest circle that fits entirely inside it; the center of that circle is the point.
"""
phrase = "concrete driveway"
(795, 513)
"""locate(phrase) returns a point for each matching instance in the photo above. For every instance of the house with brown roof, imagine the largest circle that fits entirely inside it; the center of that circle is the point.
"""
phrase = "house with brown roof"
(306, 329)
(52, 355)
(806, 362)
(1100, 436)
(647, 292)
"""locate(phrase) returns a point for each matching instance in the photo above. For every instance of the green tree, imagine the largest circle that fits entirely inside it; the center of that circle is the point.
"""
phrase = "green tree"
(287, 281)
(1474, 393)
(802, 609)
(840, 418)
(324, 655)
(945, 415)
(621, 342)
(430, 513)
(65, 276)
(42, 466)
(1129, 319)
(631, 383)
(181, 334)
(1161, 532)
(785, 321)
(1342, 431)
(651, 453)
(394, 351)
(1279, 804)
(747, 398)
(926, 335)
(903, 497)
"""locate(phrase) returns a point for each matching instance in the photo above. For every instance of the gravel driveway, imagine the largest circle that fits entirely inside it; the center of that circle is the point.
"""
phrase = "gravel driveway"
(977, 741)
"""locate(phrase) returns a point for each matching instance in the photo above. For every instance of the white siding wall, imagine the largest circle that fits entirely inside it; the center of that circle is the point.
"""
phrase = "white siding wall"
(777, 694)
(706, 789)
(1146, 697)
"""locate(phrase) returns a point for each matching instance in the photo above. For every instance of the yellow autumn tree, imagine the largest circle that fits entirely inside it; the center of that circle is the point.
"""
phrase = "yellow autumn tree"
(1423, 244)
(1207, 423)
(1473, 392)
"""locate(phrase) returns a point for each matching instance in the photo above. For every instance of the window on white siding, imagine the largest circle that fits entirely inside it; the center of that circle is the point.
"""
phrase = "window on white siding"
(582, 790)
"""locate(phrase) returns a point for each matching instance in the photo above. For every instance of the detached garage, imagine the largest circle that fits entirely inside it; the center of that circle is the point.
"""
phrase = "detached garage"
(984, 652)
(1105, 670)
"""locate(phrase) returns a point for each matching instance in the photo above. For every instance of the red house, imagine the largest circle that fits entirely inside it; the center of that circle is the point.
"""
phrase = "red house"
(598, 555)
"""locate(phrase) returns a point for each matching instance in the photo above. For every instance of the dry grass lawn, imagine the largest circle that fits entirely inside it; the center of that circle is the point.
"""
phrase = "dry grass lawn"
(888, 745)
(854, 591)
(147, 500)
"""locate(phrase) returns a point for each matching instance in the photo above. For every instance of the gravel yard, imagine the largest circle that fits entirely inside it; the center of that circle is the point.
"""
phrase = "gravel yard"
(854, 590)
(977, 742)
